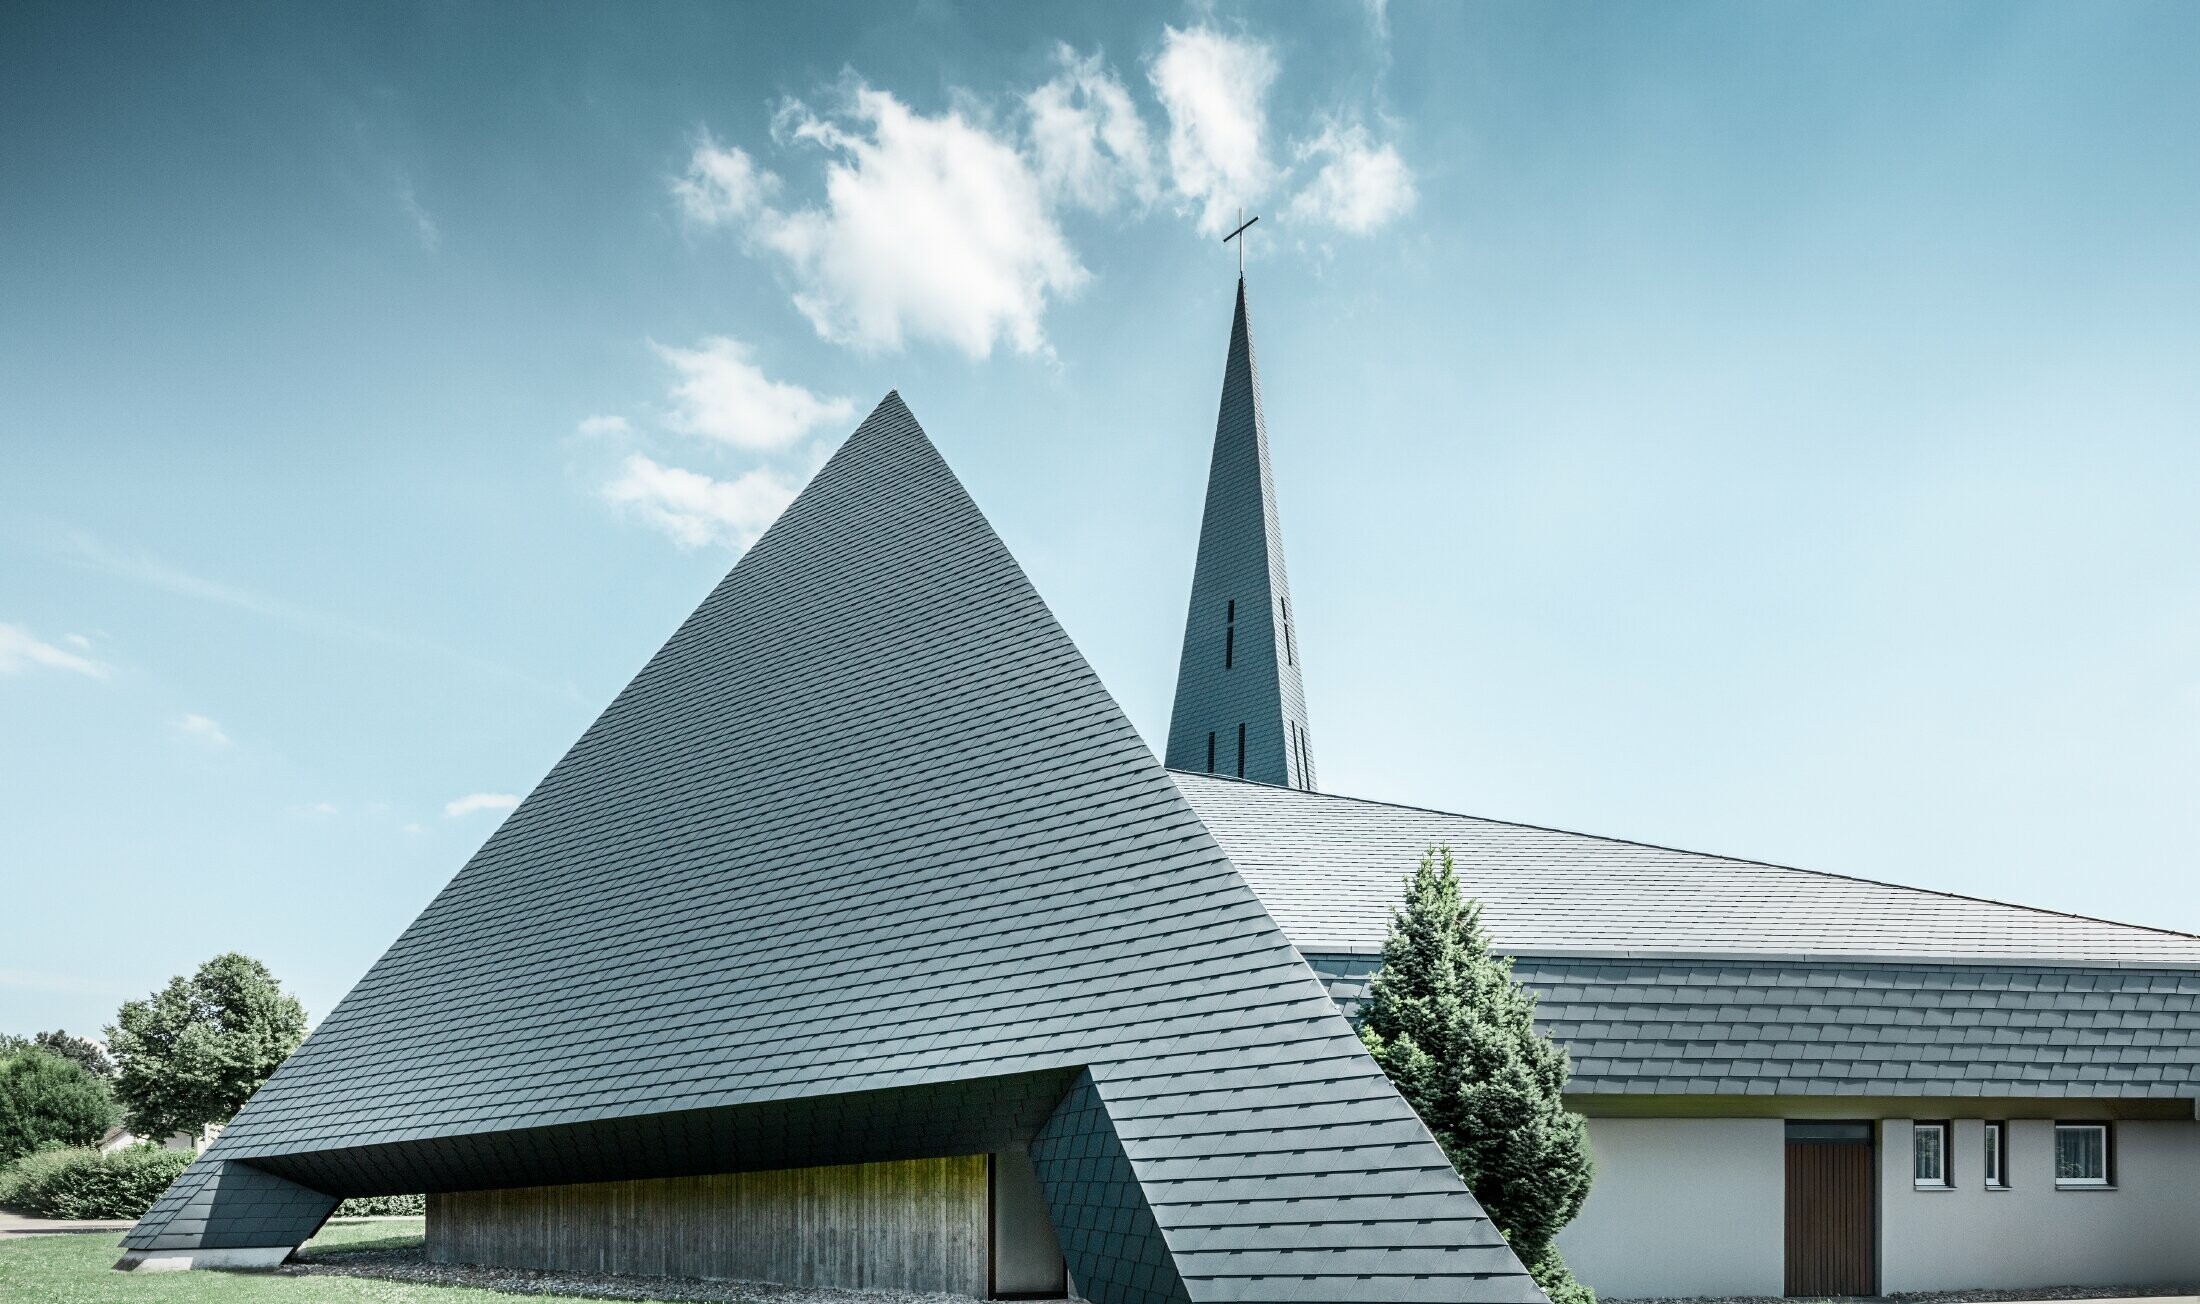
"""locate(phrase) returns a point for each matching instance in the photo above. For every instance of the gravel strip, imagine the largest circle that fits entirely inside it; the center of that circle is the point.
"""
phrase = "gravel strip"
(411, 1264)
(1946, 1296)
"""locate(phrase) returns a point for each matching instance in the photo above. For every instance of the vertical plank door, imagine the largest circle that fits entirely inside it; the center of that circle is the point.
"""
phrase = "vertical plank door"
(1831, 1227)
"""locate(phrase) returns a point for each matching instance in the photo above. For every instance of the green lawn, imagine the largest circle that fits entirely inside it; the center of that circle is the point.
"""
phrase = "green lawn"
(79, 1269)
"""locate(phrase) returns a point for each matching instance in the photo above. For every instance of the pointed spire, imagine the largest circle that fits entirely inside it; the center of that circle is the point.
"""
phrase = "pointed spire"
(1240, 707)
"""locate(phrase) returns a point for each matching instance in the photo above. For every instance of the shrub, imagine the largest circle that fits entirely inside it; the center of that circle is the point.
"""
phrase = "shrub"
(45, 1099)
(80, 1183)
(1456, 1032)
(382, 1206)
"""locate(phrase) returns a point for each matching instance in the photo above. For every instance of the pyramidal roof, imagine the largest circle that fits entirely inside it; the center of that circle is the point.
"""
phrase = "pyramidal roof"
(1240, 704)
(865, 863)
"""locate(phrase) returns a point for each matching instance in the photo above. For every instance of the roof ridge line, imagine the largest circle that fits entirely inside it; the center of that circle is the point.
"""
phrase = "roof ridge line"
(1712, 855)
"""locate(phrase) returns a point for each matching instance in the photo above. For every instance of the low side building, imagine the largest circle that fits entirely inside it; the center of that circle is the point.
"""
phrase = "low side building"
(1797, 1083)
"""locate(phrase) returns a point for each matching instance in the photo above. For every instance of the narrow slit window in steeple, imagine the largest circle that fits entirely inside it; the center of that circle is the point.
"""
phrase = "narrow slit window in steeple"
(1229, 636)
(1210, 751)
(1241, 751)
(1285, 604)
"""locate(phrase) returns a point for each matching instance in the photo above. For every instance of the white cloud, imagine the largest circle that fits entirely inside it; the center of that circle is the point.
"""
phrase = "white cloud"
(1360, 185)
(478, 801)
(721, 395)
(321, 808)
(21, 650)
(723, 185)
(1213, 87)
(695, 509)
(413, 829)
(933, 228)
(424, 225)
(1090, 144)
(201, 729)
(597, 427)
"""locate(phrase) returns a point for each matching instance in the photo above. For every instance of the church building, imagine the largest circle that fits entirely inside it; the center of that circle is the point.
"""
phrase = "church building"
(861, 942)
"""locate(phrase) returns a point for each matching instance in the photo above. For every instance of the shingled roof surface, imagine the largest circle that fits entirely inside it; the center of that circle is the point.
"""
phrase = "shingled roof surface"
(868, 822)
(1679, 1026)
(1240, 704)
(1330, 870)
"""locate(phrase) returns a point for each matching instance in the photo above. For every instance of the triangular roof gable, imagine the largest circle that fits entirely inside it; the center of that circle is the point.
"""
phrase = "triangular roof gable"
(869, 822)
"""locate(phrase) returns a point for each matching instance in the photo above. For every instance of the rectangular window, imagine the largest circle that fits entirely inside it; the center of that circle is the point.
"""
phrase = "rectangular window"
(1929, 1154)
(1241, 751)
(2082, 1154)
(1997, 1173)
(1210, 751)
(1285, 607)
(1229, 635)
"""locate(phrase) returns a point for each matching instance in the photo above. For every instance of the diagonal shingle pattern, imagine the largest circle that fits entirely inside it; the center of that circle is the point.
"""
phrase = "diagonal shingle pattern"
(1331, 869)
(868, 828)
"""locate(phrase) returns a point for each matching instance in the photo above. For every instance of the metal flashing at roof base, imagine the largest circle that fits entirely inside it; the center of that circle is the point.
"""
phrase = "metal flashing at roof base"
(259, 1257)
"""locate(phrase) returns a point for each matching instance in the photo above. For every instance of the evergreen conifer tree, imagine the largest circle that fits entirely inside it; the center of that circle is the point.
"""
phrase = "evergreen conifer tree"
(1455, 1031)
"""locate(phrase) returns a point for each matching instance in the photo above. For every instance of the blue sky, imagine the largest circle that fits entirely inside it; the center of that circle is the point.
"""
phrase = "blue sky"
(1771, 430)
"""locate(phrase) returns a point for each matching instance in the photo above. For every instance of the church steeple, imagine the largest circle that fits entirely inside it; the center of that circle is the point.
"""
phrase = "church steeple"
(1240, 706)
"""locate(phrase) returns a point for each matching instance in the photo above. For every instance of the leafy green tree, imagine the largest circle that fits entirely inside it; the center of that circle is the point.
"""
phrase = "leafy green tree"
(193, 1052)
(1456, 1032)
(82, 1051)
(47, 1100)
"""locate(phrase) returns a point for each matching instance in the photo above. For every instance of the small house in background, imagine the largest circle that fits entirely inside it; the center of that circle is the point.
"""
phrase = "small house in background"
(121, 1138)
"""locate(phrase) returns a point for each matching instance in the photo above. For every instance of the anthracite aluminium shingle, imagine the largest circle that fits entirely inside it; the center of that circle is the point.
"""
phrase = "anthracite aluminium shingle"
(866, 864)
(1670, 973)
(1678, 1025)
(1240, 702)
(1331, 869)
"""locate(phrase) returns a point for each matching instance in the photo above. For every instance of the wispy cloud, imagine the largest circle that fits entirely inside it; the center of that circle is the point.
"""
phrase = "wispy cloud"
(1088, 142)
(604, 426)
(20, 650)
(723, 185)
(40, 981)
(144, 568)
(1359, 186)
(478, 801)
(720, 394)
(1214, 88)
(695, 509)
(424, 224)
(201, 729)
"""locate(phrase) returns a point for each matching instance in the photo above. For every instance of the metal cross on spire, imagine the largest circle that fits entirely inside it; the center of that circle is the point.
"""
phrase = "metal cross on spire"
(1243, 222)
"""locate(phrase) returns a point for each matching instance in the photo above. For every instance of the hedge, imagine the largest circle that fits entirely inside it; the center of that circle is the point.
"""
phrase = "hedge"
(75, 1183)
(381, 1206)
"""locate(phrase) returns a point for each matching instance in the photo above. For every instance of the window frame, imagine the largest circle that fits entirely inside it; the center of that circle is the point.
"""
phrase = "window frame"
(1994, 1155)
(1941, 1128)
(2107, 1180)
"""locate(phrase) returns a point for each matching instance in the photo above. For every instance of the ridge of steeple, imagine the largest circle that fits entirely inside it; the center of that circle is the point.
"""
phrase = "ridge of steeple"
(1240, 702)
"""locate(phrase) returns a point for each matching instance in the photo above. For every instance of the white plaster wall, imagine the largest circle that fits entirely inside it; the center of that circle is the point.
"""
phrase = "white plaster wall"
(2143, 1232)
(1683, 1206)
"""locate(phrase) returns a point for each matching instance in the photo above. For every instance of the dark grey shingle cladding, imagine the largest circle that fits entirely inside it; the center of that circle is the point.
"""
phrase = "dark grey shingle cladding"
(1240, 703)
(866, 864)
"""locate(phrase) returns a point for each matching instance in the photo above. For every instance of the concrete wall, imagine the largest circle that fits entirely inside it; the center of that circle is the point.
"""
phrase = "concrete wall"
(1683, 1206)
(917, 1225)
(2145, 1231)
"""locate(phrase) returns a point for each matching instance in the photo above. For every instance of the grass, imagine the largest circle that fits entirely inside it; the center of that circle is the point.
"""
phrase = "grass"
(79, 1269)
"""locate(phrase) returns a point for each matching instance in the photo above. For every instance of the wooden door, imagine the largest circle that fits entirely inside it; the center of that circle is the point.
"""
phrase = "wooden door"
(1832, 1232)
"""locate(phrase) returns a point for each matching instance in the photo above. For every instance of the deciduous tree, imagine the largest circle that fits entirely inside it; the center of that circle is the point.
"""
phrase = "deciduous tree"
(193, 1052)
